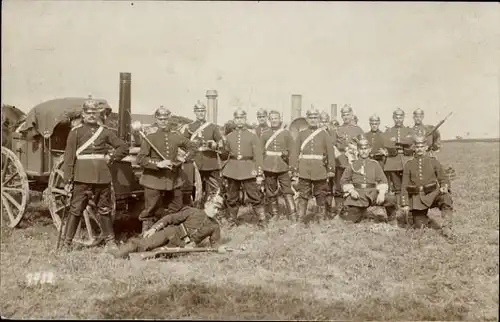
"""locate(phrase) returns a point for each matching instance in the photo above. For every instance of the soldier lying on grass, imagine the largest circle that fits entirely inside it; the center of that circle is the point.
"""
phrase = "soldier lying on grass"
(186, 228)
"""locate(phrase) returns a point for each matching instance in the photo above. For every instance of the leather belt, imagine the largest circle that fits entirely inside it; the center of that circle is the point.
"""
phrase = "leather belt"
(425, 188)
(240, 157)
(276, 153)
(364, 185)
(311, 157)
(90, 156)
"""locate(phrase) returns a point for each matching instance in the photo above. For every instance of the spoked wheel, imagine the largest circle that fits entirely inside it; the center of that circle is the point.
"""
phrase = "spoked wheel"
(15, 189)
(58, 202)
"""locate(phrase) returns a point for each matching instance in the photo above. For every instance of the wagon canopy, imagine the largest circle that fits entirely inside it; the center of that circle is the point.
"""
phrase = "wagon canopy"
(44, 117)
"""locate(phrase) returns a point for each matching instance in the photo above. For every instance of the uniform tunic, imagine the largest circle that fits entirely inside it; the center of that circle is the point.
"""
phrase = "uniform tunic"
(365, 178)
(420, 172)
(345, 134)
(205, 159)
(398, 155)
(245, 155)
(168, 143)
(87, 168)
(259, 129)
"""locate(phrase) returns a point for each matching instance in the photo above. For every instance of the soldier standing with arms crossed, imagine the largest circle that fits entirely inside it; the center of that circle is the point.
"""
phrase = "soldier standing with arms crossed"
(313, 162)
(277, 143)
(262, 122)
(425, 186)
(345, 133)
(161, 177)
(376, 139)
(244, 169)
(208, 138)
(398, 141)
(86, 172)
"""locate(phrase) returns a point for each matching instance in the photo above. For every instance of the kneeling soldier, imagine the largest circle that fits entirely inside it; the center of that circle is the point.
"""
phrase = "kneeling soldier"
(277, 143)
(366, 185)
(189, 225)
(425, 186)
(86, 171)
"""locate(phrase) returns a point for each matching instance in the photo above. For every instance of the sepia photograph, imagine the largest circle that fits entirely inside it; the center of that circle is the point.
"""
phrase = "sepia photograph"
(250, 160)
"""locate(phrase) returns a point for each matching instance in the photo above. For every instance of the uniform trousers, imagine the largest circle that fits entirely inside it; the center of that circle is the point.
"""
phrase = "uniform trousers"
(445, 204)
(276, 181)
(167, 236)
(82, 192)
(250, 186)
(317, 188)
(356, 214)
(154, 199)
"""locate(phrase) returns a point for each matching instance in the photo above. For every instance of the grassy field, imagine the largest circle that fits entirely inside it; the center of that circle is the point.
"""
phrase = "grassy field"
(322, 272)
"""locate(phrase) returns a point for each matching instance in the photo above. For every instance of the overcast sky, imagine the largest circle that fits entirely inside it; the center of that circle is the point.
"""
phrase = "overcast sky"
(440, 57)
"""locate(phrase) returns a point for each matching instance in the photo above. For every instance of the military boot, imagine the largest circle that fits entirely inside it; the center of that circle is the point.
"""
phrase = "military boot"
(391, 215)
(339, 205)
(329, 212)
(187, 199)
(302, 208)
(108, 232)
(273, 208)
(446, 230)
(260, 211)
(70, 231)
(124, 250)
(290, 204)
(232, 216)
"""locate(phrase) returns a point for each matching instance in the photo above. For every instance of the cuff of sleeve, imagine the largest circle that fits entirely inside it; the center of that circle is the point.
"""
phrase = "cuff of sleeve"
(382, 188)
(348, 187)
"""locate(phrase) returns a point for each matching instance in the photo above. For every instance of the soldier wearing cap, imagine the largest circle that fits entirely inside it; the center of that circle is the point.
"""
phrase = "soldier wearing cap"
(208, 138)
(366, 185)
(277, 143)
(162, 174)
(376, 139)
(313, 162)
(262, 122)
(189, 226)
(86, 171)
(398, 141)
(426, 186)
(434, 140)
(344, 141)
(243, 169)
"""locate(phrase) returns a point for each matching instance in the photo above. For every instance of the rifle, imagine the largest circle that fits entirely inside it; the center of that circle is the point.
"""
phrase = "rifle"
(178, 250)
(438, 125)
(176, 163)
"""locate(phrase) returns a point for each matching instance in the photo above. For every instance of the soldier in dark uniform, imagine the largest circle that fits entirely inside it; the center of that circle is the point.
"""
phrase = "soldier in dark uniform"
(243, 169)
(344, 141)
(277, 144)
(425, 186)
(313, 162)
(208, 138)
(434, 140)
(398, 142)
(161, 178)
(86, 171)
(262, 122)
(366, 185)
(189, 226)
(376, 139)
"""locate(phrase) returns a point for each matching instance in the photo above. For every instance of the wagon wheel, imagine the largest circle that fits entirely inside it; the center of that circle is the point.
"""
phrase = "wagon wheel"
(56, 199)
(15, 188)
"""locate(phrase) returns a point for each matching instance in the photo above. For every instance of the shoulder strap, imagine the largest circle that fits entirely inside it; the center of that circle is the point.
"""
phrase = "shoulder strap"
(199, 130)
(310, 137)
(89, 141)
(274, 136)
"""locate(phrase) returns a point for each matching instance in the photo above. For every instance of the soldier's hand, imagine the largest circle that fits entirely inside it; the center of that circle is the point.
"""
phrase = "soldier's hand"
(380, 198)
(164, 164)
(443, 189)
(259, 180)
(406, 210)
(150, 232)
(212, 144)
(383, 151)
(331, 174)
(68, 187)
(354, 194)
(221, 249)
(108, 158)
(189, 246)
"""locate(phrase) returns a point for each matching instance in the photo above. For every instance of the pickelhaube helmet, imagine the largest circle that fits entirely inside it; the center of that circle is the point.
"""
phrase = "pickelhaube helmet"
(419, 139)
(199, 107)
(217, 200)
(363, 143)
(312, 112)
(418, 111)
(325, 117)
(239, 112)
(346, 109)
(398, 111)
(91, 105)
(374, 118)
(261, 112)
(162, 111)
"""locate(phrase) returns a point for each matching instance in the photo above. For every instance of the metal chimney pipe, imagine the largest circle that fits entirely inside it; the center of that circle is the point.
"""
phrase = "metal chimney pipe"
(212, 105)
(296, 106)
(333, 111)
(124, 107)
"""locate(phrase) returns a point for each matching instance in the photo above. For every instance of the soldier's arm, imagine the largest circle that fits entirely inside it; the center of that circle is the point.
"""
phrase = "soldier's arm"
(380, 178)
(341, 143)
(217, 136)
(346, 180)
(330, 154)
(173, 219)
(404, 185)
(70, 156)
(258, 154)
(289, 145)
(294, 154)
(440, 174)
(120, 146)
(189, 146)
(436, 140)
(212, 231)
(144, 157)
(262, 140)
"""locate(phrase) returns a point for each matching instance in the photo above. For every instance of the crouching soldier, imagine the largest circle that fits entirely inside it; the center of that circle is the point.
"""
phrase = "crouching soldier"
(243, 169)
(161, 177)
(366, 185)
(313, 162)
(86, 172)
(425, 186)
(188, 226)
(277, 143)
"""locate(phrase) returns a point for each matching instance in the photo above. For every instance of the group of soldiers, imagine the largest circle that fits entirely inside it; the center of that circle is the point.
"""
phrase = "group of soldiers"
(346, 170)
